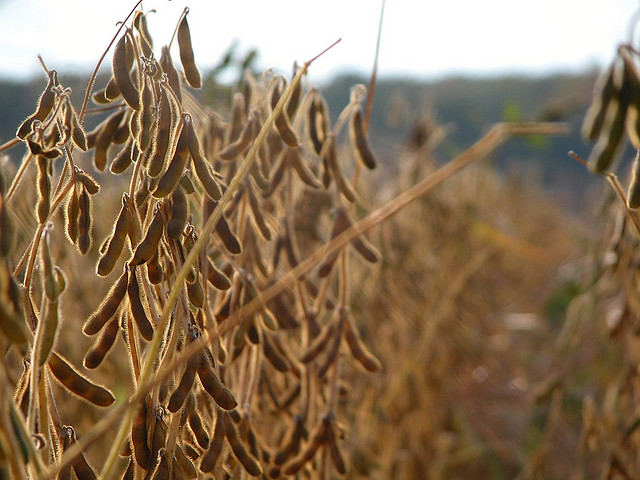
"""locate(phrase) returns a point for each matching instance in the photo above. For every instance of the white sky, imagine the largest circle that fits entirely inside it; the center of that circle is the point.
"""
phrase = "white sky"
(419, 38)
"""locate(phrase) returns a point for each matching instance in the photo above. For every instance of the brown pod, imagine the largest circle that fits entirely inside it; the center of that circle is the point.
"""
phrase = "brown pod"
(172, 75)
(44, 107)
(155, 273)
(292, 441)
(317, 438)
(222, 396)
(304, 173)
(282, 122)
(149, 245)
(87, 181)
(117, 240)
(174, 171)
(104, 138)
(210, 184)
(210, 457)
(137, 308)
(229, 240)
(257, 214)
(78, 384)
(237, 118)
(161, 472)
(123, 159)
(186, 382)
(320, 343)
(247, 460)
(111, 91)
(633, 194)
(217, 278)
(237, 147)
(604, 151)
(292, 105)
(78, 133)
(604, 91)
(139, 436)
(101, 347)
(183, 464)
(179, 213)
(334, 450)
(361, 142)
(162, 137)
(129, 473)
(195, 293)
(108, 307)
(99, 97)
(84, 221)
(121, 74)
(274, 357)
(356, 346)
(334, 165)
(191, 72)
(146, 116)
(195, 423)
(44, 188)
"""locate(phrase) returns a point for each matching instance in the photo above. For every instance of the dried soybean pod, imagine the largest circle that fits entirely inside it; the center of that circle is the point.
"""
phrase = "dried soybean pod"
(247, 460)
(179, 212)
(334, 450)
(191, 72)
(162, 138)
(146, 42)
(108, 307)
(139, 436)
(317, 438)
(78, 384)
(633, 194)
(196, 427)
(174, 171)
(121, 74)
(282, 122)
(257, 214)
(210, 184)
(172, 75)
(292, 441)
(312, 126)
(184, 463)
(184, 387)
(44, 188)
(334, 165)
(210, 457)
(111, 91)
(237, 147)
(274, 357)
(161, 472)
(84, 221)
(356, 345)
(154, 270)
(122, 160)
(217, 278)
(44, 106)
(605, 149)
(229, 240)
(604, 91)
(191, 451)
(118, 237)
(99, 97)
(137, 308)
(101, 347)
(195, 293)
(146, 116)
(104, 138)
(222, 396)
(129, 473)
(292, 105)
(149, 245)
(360, 140)
(304, 173)
(87, 181)
(72, 214)
(320, 342)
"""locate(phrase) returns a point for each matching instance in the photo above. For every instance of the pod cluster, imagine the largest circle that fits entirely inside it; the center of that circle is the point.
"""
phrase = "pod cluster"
(257, 398)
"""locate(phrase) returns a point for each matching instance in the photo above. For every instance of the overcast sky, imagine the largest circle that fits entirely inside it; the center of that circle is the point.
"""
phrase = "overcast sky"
(419, 38)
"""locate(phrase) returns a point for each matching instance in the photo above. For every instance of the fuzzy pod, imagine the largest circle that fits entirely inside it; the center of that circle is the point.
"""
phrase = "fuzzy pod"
(174, 171)
(137, 307)
(191, 72)
(121, 73)
(118, 237)
(77, 384)
(102, 345)
(109, 305)
(148, 247)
